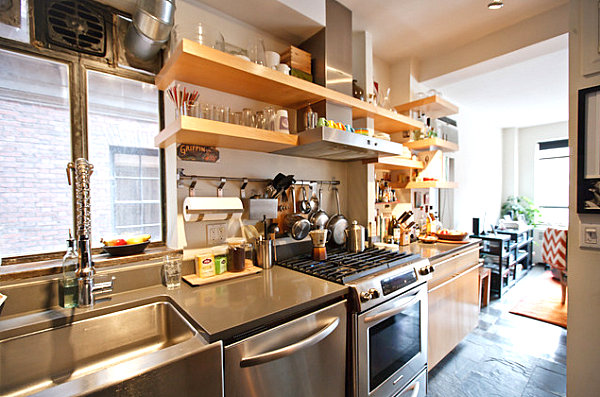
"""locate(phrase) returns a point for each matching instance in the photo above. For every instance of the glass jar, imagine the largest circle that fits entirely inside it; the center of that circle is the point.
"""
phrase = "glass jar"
(236, 254)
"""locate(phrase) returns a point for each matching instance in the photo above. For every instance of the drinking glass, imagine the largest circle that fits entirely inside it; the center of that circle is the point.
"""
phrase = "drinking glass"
(256, 51)
(269, 113)
(260, 120)
(207, 111)
(172, 271)
(247, 117)
(236, 118)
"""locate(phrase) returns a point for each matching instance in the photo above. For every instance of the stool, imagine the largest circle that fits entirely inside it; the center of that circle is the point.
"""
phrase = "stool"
(485, 276)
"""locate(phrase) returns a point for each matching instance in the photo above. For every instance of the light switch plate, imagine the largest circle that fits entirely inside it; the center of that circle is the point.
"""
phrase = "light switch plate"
(589, 236)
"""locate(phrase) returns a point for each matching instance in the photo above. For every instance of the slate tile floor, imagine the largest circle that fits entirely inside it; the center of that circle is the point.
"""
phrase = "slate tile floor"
(506, 355)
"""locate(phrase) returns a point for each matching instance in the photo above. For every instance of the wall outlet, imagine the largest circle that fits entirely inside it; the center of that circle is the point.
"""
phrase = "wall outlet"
(215, 233)
(590, 236)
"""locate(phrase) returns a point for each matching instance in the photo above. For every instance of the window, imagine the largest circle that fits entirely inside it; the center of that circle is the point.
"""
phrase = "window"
(44, 125)
(136, 203)
(122, 124)
(552, 181)
(35, 147)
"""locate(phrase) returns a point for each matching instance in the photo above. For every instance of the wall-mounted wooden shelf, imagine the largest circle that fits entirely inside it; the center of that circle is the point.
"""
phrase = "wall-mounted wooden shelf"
(431, 184)
(197, 64)
(394, 163)
(433, 106)
(432, 144)
(204, 132)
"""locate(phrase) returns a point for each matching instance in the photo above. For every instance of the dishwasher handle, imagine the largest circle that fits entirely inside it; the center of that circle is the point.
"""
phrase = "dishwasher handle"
(291, 349)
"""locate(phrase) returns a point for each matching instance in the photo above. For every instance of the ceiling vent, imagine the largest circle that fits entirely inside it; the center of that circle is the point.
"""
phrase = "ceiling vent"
(77, 25)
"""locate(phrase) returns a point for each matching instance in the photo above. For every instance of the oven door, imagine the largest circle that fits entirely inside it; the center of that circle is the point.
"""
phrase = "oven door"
(392, 343)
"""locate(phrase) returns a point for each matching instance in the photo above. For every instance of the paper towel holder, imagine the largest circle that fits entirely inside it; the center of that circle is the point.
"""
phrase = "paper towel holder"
(223, 181)
(210, 205)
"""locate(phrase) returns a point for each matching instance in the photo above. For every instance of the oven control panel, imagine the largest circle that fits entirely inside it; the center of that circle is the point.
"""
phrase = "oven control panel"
(398, 282)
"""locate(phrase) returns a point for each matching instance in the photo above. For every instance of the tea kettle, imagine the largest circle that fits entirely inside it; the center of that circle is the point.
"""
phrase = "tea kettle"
(355, 238)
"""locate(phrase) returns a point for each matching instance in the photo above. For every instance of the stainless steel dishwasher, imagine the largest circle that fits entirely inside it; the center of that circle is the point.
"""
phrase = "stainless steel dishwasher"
(303, 357)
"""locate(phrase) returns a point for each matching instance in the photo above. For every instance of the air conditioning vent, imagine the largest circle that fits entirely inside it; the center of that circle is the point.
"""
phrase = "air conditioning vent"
(76, 25)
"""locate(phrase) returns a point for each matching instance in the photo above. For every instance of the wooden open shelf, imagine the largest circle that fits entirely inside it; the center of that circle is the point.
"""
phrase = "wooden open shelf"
(432, 144)
(194, 130)
(433, 106)
(395, 163)
(431, 184)
(197, 64)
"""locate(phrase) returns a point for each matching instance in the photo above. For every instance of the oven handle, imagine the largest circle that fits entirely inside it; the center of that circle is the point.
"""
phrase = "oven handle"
(291, 349)
(415, 388)
(400, 306)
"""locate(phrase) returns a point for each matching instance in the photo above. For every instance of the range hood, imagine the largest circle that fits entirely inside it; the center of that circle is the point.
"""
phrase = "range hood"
(333, 144)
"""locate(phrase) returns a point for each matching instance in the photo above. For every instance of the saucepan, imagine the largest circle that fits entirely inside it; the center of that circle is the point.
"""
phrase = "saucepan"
(337, 224)
(320, 218)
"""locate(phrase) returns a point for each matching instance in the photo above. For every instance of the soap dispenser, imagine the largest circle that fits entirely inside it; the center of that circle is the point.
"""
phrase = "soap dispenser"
(67, 286)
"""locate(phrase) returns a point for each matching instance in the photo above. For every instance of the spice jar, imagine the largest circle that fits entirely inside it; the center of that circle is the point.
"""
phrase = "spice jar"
(236, 254)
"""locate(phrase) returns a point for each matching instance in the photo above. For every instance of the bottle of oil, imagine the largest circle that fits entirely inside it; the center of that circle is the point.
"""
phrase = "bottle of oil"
(67, 286)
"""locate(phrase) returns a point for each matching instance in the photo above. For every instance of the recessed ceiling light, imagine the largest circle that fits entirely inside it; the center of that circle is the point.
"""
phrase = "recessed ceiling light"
(495, 5)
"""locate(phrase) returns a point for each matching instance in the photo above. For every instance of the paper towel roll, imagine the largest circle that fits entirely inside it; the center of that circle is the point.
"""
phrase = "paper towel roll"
(210, 208)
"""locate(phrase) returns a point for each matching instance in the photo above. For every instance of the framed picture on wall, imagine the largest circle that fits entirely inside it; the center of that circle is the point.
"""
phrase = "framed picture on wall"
(588, 151)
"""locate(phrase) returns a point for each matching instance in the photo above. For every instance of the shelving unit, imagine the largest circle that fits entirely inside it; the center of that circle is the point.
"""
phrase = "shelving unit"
(394, 163)
(431, 184)
(197, 64)
(522, 249)
(432, 144)
(433, 106)
(204, 132)
(496, 253)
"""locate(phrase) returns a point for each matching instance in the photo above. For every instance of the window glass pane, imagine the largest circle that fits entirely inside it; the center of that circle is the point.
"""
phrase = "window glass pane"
(122, 124)
(35, 147)
(552, 184)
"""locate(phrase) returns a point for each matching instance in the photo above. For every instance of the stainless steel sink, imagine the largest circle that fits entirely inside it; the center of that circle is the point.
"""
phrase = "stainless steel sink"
(95, 350)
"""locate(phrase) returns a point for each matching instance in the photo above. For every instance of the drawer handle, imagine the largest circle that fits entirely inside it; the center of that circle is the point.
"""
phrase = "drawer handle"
(458, 275)
(291, 349)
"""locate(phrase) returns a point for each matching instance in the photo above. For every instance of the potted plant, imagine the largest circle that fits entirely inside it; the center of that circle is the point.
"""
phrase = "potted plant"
(514, 206)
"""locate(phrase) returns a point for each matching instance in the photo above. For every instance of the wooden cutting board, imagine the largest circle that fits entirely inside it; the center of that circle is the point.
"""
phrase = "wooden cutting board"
(194, 280)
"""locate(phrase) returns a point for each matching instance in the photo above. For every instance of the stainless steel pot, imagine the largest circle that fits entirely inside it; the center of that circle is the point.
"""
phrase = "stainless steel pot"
(337, 224)
(320, 218)
(296, 225)
(355, 238)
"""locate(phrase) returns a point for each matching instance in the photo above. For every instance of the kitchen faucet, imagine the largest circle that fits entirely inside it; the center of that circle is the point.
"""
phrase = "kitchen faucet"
(86, 285)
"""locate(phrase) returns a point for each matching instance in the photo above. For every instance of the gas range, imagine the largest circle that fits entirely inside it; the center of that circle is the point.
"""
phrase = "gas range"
(374, 275)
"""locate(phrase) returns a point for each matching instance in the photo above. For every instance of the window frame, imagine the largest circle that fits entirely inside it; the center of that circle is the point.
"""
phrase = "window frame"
(78, 66)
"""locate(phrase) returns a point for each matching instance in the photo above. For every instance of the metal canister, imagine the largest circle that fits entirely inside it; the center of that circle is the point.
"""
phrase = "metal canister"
(264, 252)
(355, 238)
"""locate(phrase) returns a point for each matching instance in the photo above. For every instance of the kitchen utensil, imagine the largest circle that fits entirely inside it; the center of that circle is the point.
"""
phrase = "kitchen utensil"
(304, 203)
(314, 201)
(264, 252)
(320, 218)
(355, 238)
(297, 225)
(337, 224)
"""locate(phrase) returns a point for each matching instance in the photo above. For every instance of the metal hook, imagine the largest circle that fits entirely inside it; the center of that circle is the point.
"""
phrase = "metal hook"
(243, 188)
(220, 188)
(192, 191)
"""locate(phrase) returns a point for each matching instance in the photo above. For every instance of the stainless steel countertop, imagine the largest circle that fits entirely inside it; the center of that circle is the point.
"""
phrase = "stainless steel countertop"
(224, 309)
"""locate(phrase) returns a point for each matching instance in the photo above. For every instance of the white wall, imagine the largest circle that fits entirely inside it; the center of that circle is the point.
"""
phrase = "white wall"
(528, 140)
(583, 343)
(478, 171)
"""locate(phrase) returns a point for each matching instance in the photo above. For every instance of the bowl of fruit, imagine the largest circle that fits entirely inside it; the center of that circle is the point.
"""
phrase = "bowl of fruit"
(126, 245)
(452, 235)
